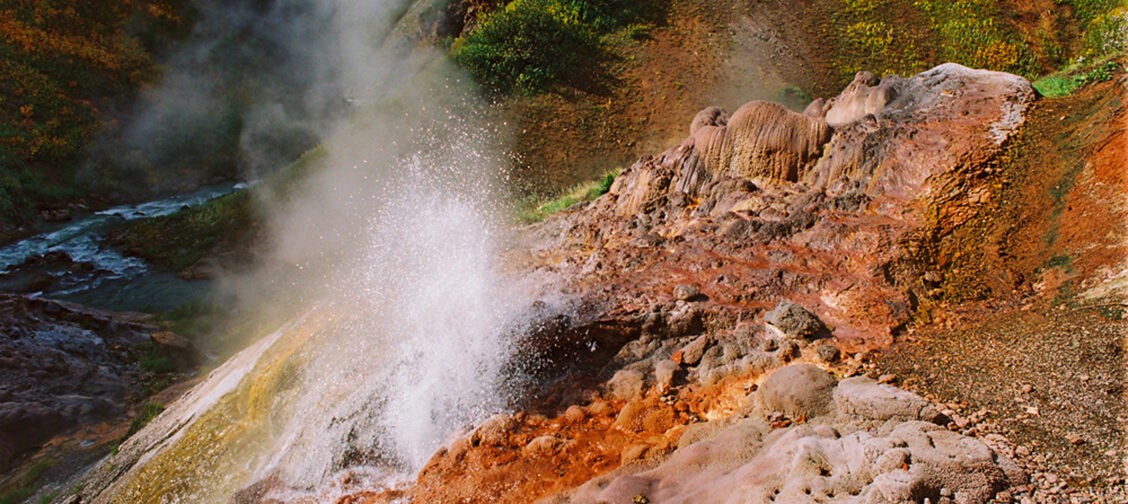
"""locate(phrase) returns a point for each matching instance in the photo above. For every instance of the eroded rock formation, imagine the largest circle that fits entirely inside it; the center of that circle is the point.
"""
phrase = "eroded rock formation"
(861, 442)
(799, 237)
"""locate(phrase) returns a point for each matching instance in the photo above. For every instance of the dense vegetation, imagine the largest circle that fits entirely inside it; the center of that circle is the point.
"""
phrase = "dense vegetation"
(906, 37)
(530, 46)
(64, 65)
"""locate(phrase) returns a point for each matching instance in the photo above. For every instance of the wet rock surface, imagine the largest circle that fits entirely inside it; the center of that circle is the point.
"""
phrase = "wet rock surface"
(62, 366)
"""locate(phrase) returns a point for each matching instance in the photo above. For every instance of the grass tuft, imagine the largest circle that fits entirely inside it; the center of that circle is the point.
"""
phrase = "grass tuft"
(536, 210)
(153, 360)
(1071, 79)
(145, 415)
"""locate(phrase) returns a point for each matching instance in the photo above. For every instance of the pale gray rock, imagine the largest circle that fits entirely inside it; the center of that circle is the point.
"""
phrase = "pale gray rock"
(831, 458)
(626, 384)
(794, 321)
(864, 398)
(799, 390)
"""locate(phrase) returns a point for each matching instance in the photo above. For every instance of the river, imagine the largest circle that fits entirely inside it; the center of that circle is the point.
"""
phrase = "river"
(71, 261)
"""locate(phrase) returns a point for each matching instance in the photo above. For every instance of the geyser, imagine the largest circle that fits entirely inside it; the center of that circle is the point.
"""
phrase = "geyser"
(394, 245)
(419, 300)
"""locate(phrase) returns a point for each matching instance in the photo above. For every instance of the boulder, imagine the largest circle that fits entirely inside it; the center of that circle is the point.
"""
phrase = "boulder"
(798, 391)
(863, 397)
(686, 292)
(690, 355)
(794, 321)
(665, 371)
(626, 384)
(182, 352)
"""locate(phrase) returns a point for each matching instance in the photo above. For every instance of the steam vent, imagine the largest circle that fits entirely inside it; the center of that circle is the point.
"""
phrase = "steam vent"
(557, 252)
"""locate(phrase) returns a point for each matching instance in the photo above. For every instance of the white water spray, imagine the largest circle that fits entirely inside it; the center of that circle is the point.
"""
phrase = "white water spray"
(395, 242)
(419, 342)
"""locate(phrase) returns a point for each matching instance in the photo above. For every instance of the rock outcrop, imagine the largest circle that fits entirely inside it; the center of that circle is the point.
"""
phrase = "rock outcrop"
(836, 455)
(799, 235)
(823, 209)
(63, 366)
(767, 239)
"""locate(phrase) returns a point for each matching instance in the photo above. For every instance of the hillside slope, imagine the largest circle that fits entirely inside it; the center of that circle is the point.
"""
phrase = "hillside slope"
(697, 53)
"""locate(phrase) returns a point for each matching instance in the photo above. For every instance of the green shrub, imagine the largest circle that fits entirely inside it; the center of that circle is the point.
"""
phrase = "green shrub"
(526, 47)
(530, 46)
(1070, 80)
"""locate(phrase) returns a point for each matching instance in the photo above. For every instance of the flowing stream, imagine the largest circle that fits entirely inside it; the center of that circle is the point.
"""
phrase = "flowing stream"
(72, 262)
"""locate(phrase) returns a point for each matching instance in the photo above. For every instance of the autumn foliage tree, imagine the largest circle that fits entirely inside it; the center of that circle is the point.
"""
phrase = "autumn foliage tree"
(62, 65)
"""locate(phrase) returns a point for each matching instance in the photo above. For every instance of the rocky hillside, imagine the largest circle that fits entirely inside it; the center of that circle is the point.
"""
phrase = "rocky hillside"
(713, 271)
(658, 62)
(738, 252)
(904, 291)
(774, 308)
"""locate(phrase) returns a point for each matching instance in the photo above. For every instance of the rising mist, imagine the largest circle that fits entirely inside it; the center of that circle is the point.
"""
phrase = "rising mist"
(393, 242)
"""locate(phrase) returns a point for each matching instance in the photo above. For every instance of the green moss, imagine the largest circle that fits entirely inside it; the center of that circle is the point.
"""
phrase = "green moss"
(179, 240)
